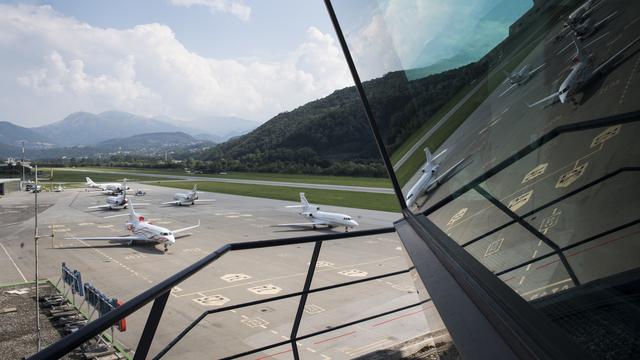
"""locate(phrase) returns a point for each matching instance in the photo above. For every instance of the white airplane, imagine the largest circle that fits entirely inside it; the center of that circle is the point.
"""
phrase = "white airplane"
(427, 180)
(320, 218)
(107, 188)
(190, 198)
(577, 17)
(143, 232)
(117, 202)
(581, 74)
(518, 78)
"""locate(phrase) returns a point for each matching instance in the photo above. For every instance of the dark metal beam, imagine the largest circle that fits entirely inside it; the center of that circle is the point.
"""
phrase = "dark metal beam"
(149, 332)
(365, 103)
(485, 317)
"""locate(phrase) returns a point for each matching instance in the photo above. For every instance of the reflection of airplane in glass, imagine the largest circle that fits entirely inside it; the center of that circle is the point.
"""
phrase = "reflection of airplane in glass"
(518, 78)
(582, 73)
(427, 180)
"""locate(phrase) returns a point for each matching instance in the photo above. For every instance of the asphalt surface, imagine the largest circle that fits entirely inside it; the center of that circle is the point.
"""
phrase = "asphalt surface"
(376, 190)
(123, 272)
(503, 125)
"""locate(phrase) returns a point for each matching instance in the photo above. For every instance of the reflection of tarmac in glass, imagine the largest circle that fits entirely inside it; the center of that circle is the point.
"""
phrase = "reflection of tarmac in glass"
(503, 125)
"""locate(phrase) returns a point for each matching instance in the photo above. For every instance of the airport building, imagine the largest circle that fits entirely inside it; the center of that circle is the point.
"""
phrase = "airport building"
(9, 185)
(516, 175)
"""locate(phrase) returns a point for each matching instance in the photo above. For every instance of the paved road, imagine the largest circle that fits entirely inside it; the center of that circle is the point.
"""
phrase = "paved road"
(255, 182)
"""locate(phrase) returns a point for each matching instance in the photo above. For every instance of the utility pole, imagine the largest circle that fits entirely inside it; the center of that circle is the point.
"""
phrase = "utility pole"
(35, 241)
(22, 166)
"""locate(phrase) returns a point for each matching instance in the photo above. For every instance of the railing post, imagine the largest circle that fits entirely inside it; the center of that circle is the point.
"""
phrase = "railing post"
(303, 299)
(150, 327)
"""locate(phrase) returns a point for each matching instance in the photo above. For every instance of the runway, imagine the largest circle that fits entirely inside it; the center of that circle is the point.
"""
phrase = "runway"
(123, 272)
(368, 189)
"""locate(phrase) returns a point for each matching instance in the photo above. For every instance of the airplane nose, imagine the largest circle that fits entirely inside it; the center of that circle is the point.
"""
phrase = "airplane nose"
(354, 223)
(171, 240)
(563, 98)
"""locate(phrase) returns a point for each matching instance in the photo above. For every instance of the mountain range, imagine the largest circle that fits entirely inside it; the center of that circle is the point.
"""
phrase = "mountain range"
(106, 131)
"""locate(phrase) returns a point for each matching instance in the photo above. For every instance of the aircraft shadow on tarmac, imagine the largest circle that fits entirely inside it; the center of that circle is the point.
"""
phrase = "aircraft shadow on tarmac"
(323, 230)
(147, 249)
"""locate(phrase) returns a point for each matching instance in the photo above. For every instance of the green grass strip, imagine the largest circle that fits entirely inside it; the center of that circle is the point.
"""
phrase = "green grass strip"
(352, 199)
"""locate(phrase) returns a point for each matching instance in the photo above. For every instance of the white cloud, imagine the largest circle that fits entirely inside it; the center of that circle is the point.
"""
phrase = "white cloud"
(234, 7)
(63, 65)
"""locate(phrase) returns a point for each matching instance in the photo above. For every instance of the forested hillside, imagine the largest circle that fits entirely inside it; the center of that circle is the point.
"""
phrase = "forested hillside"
(332, 136)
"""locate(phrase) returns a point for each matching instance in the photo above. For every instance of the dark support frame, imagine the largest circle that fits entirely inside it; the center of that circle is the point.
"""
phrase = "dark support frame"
(365, 103)
(151, 326)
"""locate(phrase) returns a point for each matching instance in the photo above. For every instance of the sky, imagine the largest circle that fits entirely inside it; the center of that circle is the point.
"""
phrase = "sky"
(192, 59)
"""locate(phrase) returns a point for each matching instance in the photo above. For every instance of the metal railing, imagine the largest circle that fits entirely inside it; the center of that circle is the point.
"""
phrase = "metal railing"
(159, 294)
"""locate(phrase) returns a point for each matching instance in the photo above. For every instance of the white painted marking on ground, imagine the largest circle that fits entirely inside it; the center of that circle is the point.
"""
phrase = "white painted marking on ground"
(85, 224)
(353, 273)
(267, 289)
(105, 226)
(520, 201)
(313, 309)
(570, 177)
(254, 322)
(321, 264)
(14, 263)
(457, 216)
(212, 300)
(535, 172)
(235, 277)
(606, 134)
(494, 247)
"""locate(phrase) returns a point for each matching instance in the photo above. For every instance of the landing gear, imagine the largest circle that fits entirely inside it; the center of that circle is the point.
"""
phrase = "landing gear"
(166, 248)
(193, 203)
(346, 229)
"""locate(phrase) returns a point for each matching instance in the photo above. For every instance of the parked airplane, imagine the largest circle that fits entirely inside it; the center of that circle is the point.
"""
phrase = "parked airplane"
(117, 202)
(144, 232)
(107, 188)
(518, 78)
(582, 73)
(427, 180)
(576, 18)
(320, 218)
(189, 198)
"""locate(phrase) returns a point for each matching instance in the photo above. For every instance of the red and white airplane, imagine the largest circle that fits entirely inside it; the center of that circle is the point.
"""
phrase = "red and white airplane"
(144, 232)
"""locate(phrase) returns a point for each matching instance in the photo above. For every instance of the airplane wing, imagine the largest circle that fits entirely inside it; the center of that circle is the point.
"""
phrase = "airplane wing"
(204, 200)
(309, 224)
(98, 207)
(532, 72)
(508, 89)
(113, 238)
(545, 100)
(140, 204)
(176, 202)
(615, 57)
(294, 206)
(187, 228)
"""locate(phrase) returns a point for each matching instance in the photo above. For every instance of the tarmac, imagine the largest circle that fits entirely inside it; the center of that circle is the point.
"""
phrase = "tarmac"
(500, 126)
(122, 272)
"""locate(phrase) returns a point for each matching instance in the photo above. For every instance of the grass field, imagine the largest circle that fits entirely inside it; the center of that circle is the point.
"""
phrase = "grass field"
(297, 178)
(359, 200)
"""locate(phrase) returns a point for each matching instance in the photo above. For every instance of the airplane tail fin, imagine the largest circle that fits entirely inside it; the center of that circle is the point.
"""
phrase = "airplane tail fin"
(89, 181)
(581, 54)
(133, 216)
(305, 204)
(429, 156)
(195, 188)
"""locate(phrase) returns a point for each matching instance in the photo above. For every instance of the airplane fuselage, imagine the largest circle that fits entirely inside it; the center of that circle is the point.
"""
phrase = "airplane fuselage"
(152, 233)
(185, 198)
(333, 219)
(422, 185)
